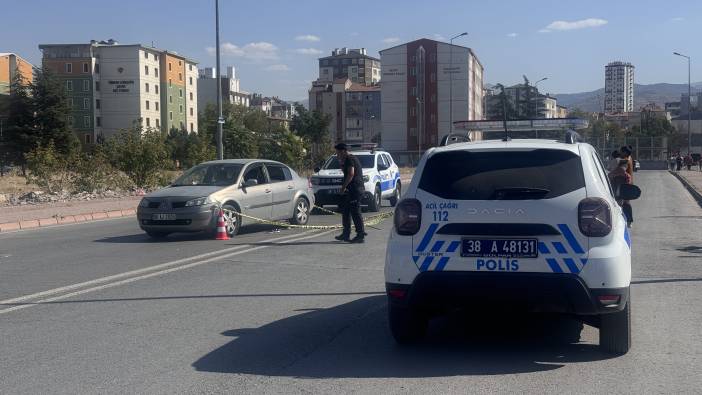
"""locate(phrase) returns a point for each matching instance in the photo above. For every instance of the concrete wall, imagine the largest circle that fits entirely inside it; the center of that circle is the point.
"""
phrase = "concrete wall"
(122, 78)
(394, 97)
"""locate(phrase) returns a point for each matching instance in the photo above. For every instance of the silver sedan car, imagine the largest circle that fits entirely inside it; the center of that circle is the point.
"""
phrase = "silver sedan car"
(259, 188)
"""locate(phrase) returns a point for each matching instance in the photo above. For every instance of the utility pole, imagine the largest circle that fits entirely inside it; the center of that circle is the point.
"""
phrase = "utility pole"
(689, 104)
(451, 80)
(220, 119)
(536, 93)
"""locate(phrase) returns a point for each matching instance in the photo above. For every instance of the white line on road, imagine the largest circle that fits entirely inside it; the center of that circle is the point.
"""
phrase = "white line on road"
(132, 273)
(154, 274)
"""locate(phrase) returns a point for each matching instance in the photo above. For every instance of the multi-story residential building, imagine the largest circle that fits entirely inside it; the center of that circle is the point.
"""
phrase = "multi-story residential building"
(110, 86)
(673, 108)
(354, 109)
(354, 64)
(523, 102)
(619, 87)
(420, 81)
(262, 103)
(10, 65)
(231, 90)
(561, 111)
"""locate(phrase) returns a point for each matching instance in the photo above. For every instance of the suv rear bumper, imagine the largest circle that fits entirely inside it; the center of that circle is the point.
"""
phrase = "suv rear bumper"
(534, 292)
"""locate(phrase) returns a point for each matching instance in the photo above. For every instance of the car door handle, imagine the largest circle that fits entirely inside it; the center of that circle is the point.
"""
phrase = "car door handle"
(290, 187)
(268, 191)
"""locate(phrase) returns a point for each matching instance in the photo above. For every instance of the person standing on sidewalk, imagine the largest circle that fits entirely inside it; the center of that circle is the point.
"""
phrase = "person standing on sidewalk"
(352, 191)
(617, 177)
(613, 162)
(625, 153)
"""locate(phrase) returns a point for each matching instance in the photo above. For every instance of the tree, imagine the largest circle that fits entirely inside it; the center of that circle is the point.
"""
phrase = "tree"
(19, 134)
(51, 113)
(313, 127)
(140, 153)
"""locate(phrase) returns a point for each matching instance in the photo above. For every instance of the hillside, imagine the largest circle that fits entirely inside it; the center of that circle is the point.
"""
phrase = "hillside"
(643, 94)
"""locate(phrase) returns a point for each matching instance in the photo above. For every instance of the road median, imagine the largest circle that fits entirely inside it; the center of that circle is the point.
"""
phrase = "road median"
(692, 181)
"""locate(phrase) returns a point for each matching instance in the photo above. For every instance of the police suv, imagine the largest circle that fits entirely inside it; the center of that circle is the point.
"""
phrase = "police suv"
(381, 178)
(519, 225)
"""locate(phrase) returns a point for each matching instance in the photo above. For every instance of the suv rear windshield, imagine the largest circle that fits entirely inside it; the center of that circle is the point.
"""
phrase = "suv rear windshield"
(503, 175)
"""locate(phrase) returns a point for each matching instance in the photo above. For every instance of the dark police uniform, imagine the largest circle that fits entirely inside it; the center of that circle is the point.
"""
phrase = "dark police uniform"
(352, 197)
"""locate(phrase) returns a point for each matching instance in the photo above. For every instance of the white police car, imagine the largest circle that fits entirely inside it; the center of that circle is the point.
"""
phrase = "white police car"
(381, 178)
(527, 225)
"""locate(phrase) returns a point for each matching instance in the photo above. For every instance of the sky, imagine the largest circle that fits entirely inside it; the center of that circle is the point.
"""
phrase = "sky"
(274, 44)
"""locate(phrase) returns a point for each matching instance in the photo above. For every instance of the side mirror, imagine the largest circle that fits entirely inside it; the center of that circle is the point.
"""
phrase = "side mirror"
(317, 169)
(629, 192)
(250, 183)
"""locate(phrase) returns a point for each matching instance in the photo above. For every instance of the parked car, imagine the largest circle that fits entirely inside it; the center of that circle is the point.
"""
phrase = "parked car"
(637, 165)
(260, 188)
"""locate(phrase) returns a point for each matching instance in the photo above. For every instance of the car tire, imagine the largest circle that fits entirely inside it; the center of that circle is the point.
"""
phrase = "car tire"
(157, 235)
(232, 220)
(396, 196)
(407, 325)
(301, 212)
(615, 331)
(374, 204)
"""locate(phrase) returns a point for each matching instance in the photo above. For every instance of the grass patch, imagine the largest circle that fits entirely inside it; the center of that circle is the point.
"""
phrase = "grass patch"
(16, 185)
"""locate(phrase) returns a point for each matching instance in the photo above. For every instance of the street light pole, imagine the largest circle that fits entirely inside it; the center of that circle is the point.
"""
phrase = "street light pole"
(689, 104)
(220, 119)
(451, 80)
(536, 96)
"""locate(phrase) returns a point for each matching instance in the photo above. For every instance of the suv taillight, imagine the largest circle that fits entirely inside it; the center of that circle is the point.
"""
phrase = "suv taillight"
(594, 217)
(408, 217)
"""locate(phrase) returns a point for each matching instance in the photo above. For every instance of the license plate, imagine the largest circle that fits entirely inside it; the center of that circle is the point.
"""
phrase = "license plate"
(504, 248)
(334, 191)
(163, 217)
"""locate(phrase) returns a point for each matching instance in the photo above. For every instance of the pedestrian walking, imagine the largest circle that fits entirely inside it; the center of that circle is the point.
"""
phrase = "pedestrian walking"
(688, 161)
(352, 191)
(678, 162)
(617, 178)
(625, 153)
(613, 162)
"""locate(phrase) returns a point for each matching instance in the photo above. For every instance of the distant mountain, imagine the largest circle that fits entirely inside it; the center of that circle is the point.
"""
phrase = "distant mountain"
(643, 94)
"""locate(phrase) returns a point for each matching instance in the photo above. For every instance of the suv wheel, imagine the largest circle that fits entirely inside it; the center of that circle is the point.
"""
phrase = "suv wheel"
(396, 196)
(302, 212)
(406, 325)
(615, 331)
(374, 204)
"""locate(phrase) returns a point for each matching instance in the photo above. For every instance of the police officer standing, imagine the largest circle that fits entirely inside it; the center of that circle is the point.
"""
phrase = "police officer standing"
(352, 190)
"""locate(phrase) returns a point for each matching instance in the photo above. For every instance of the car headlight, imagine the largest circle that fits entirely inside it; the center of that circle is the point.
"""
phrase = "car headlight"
(366, 178)
(144, 203)
(198, 202)
(315, 180)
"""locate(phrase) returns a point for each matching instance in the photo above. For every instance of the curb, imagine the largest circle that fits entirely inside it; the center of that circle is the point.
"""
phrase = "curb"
(697, 195)
(68, 219)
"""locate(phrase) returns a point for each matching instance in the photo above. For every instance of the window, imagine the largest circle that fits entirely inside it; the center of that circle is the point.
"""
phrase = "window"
(182, 126)
(191, 96)
(170, 83)
(97, 104)
(69, 120)
(413, 111)
(192, 127)
(86, 103)
(156, 58)
(170, 99)
(146, 55)
(191, 80)
(146, 70)
(180, 63)
(256, 173)
(69, 67)
(180, 92)
(413, 132)
(69, 85)
(148, 122)
(413, 91)
(170, 115)
(70, 102)
(432, 77)
(190, 67)
(276, 173)
(157, 123)
(98, 121)
(156, 103)
(156, 71)
(521, 175)
(86, 85)
(88, 139)
(147, 105)
(97, 85)
(97, 68)
(147, 87)
(86, 121)
(433, 98)
(180, 76)
(169, 66)
(191, 111)
(156, 89)
(181, 108)
(86, 68)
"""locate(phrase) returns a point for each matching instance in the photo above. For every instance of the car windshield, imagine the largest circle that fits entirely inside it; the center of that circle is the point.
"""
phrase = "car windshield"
(367, 162)
(516, 175)
(220, 174)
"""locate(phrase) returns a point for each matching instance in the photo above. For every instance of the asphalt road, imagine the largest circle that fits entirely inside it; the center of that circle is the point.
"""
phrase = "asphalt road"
(109, 311)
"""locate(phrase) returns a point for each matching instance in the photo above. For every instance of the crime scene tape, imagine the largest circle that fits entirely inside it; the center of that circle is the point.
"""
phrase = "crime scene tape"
(368, 221)
(325, 210)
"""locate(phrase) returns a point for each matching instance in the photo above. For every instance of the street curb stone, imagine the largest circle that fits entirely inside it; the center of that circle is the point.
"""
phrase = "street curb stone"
(690, 188)
(68, 219)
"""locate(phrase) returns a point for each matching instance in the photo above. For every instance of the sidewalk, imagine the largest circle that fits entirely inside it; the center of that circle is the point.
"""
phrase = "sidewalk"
(46, 214)
(693, 182)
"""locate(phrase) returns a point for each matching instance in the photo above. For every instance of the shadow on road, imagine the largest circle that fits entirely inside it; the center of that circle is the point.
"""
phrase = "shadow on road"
(180, 237)
(352, 340)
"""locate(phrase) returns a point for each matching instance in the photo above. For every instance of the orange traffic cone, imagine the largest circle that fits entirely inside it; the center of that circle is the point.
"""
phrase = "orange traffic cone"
(221, 229)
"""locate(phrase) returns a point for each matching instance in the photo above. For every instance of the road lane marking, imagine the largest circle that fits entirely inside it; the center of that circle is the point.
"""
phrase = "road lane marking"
(154, 274)
(133, 272)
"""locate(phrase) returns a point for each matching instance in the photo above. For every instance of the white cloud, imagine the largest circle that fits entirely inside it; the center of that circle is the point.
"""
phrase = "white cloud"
(677, 19)
(278, 67)
(439, 37)
(256, 52)
(307, 37)
(573, 25)
(391, 40)
(307, 51)
(512, 35)
(354, 34)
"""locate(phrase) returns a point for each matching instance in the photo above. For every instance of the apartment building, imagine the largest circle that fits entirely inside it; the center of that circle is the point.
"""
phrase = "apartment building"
(619, 88)
(231, 90)
(354, 64)
(10, 65)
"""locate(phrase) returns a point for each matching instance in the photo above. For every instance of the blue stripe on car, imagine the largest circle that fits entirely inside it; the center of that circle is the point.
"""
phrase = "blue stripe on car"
(555, 267)
(427, 237)
(437, 246)
(442, 263)
(426, 264)
(572, 241)
(559, 247)
(571, 265)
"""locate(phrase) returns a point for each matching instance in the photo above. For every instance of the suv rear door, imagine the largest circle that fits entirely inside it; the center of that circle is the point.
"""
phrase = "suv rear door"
(527, 198)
